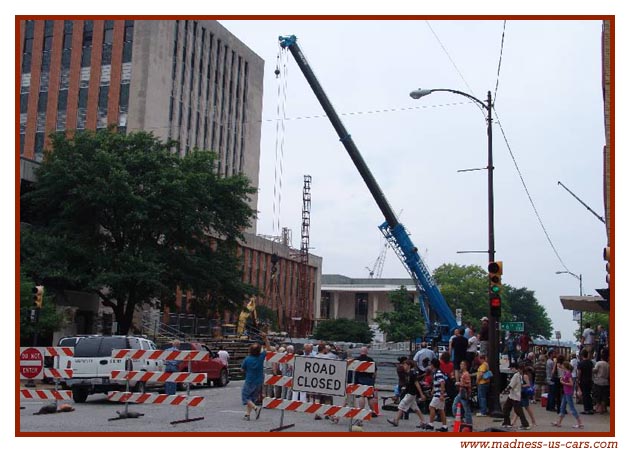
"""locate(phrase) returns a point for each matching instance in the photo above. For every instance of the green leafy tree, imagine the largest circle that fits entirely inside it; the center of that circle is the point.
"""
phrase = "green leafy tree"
(405, 322)
(524, 307)
(125, 218)
(343, 330)
(465, 287)
(48, 320)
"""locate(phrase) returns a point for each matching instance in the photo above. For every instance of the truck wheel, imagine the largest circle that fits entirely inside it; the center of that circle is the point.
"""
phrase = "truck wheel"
(223, 379)
(79, 395)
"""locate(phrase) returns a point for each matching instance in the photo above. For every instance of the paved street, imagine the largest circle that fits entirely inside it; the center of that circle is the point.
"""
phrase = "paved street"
(223, 412)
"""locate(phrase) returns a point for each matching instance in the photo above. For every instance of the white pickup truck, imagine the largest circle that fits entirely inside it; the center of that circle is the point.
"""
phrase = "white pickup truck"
(92, 364)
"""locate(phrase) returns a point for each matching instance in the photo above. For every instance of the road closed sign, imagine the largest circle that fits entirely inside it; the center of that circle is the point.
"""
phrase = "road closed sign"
(320, 375)
(31, 363)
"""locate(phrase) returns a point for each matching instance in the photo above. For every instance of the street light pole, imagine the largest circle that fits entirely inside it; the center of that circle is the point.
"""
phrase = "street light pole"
(579, 278)
(493, 323)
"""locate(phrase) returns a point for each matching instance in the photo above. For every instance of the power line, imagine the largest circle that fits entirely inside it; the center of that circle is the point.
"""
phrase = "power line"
(500, 59)
(529, 196)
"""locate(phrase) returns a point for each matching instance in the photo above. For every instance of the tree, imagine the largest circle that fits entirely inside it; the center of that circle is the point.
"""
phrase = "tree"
(466, 287)
(405, 322)
(343, 330)
(125, 218)
(594, 318)
(524, 307)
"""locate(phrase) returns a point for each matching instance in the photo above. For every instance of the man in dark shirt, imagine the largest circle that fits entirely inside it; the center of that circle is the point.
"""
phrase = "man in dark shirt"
(459, 345)
(484, 335)
(411, 391)
(585, 381)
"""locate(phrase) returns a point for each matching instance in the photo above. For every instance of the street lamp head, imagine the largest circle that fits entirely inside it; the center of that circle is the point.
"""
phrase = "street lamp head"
(560, 273)
(418, 93)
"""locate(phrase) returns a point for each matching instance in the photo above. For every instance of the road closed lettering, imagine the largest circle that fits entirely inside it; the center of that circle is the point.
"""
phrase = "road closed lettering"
(320, 375)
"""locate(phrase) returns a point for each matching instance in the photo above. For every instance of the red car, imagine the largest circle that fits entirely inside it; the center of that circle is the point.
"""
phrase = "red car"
(215, 368)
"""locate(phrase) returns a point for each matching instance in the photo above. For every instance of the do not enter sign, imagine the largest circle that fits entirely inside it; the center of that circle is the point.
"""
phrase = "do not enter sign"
(31, 363)
(320, 375)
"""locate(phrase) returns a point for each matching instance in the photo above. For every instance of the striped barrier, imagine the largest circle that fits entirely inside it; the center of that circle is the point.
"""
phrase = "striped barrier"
(351, 388)
(134, 376)
(45, 394)
(57, 373)
(58, 351)
(166, 355)
(317, 408)
(353, 364)
(154, 398)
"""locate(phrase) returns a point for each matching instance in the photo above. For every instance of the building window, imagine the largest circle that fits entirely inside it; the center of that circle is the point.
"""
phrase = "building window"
(103, 93)
(39, 146)
(23, 102)
(27, 55)
(108, 39)
(67, 34)
(86, 54)
(361, 307)
(42, 102)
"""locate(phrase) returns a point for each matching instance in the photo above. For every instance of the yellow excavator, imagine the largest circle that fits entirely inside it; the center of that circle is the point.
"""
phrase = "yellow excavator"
(249, 311)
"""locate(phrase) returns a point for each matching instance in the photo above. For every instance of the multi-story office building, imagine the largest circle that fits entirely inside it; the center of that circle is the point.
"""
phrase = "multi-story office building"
(187, 80)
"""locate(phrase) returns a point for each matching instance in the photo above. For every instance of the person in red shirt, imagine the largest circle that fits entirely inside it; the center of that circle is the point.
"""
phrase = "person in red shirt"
(524, 341)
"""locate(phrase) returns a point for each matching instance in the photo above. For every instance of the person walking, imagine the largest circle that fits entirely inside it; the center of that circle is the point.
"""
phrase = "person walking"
(567, 396)
(439, 396)
(585, 381)
(527, 392)
(483, 385)
(411, 390)
(513, 400)
(465, 391)
(170, 387)
(253, 365)
(459, 345)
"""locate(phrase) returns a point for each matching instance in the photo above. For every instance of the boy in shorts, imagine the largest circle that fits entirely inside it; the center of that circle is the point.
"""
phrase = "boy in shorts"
(411, 391)
(439, 396)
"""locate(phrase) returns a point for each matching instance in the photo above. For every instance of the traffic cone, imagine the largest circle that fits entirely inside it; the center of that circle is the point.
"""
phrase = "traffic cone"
(458, 418)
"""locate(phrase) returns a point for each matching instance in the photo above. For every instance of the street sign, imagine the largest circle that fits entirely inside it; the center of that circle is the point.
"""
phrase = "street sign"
(517, 327)
(320, 375)
(31, 363)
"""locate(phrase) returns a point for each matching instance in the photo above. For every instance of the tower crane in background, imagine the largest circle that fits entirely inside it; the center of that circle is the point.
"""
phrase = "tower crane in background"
(377, 269)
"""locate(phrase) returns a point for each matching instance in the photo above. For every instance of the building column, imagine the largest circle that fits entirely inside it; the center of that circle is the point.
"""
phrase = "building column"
(335, 297)
(374, 306)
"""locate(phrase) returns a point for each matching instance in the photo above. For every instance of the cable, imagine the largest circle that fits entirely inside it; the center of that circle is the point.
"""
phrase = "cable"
(531, 200)
(496, 87)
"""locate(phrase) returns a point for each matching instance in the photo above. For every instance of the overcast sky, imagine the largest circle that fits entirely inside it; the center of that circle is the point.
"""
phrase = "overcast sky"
(549, 101)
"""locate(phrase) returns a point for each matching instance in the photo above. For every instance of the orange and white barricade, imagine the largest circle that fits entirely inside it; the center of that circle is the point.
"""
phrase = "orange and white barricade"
(133, 377)
(32, 369)
(45, 394)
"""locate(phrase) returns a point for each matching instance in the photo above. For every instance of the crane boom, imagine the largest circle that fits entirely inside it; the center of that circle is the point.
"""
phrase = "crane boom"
(392, 229)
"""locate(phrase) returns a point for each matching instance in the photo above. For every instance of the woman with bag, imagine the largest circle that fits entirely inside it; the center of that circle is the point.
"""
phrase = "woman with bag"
(527, 392)
(483, 385)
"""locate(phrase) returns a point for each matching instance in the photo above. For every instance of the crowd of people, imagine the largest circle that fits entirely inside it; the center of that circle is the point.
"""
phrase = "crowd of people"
(460, 376)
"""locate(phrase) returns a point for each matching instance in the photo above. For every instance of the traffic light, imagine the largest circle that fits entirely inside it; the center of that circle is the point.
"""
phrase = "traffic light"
(38, 296)
(607, 259)
(495, 306)
(495, 270)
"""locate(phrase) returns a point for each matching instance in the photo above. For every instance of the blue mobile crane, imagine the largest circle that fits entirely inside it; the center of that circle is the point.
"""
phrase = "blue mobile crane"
(392, 229)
